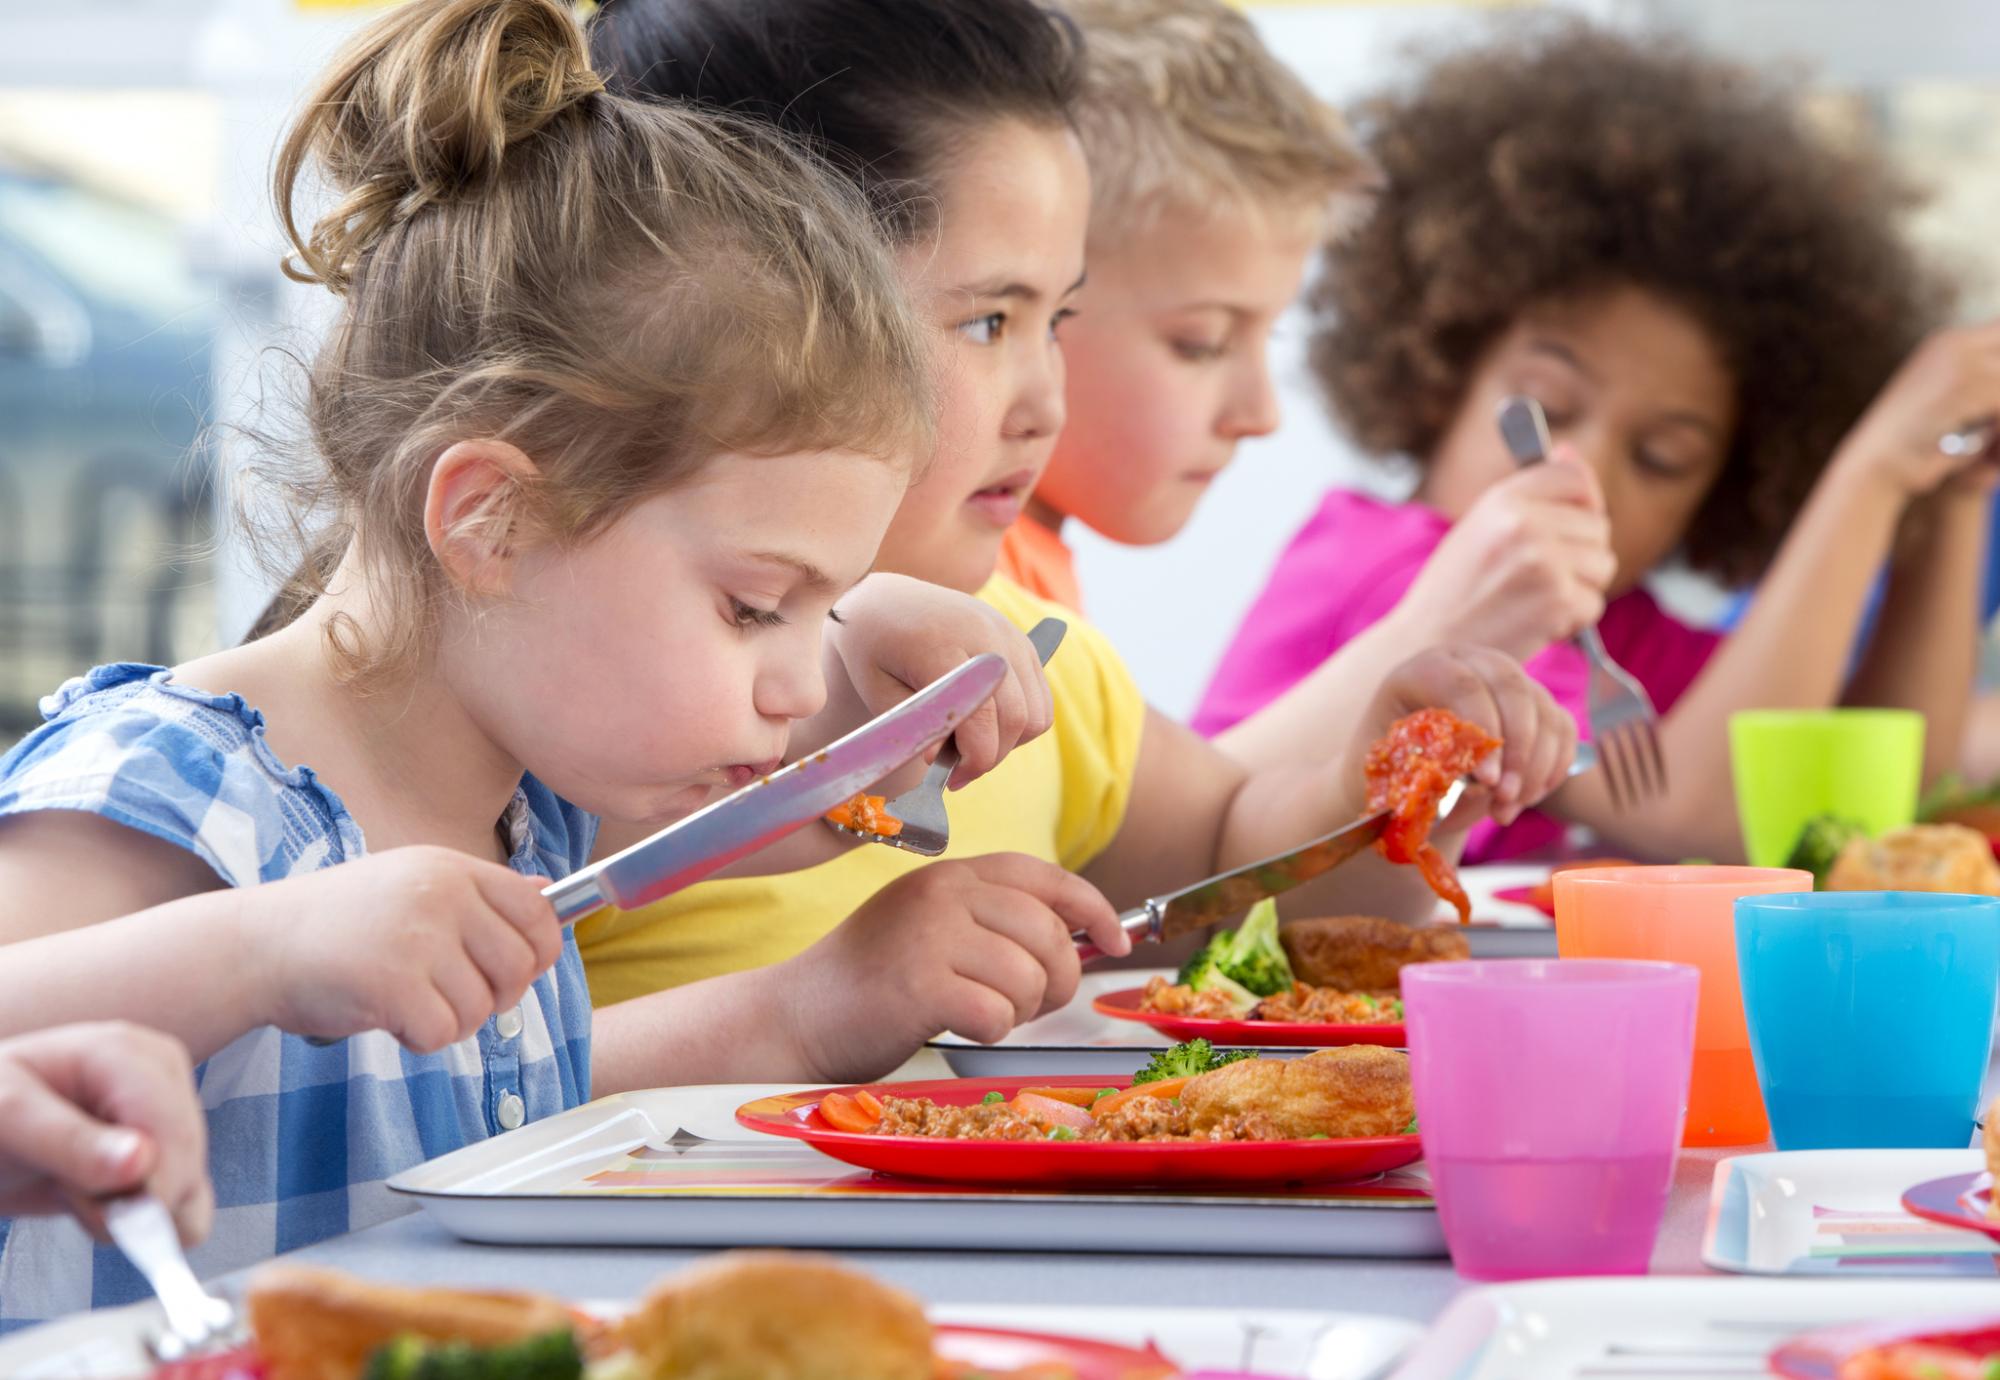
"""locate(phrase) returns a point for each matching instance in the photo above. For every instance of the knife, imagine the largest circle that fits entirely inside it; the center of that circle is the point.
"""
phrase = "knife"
(1228, 894)
(766, 810)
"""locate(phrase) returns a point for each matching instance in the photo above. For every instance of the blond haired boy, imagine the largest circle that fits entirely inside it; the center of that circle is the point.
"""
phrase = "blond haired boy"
(1215, 174)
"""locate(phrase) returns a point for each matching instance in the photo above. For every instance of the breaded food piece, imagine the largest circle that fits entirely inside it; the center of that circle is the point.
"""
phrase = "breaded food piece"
(1362, 1090)
(1365, 953)
(1921, 857)
(771, 1315)
(314, 1324)
(1993, 1156)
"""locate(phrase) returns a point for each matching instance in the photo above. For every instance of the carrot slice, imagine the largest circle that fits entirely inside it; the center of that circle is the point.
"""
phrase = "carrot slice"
(1076, 1097)
(870, 1103)
(867, 813)
(844, 1113)
(1164, 1087)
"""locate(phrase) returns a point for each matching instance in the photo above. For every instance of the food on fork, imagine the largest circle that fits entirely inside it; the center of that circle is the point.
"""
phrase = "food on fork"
(1408, 773)
(1365, 953)
(1333, 1094)
(866, 814)
(1921, 857)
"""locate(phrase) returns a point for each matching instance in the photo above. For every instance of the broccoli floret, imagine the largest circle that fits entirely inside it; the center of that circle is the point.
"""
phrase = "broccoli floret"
(1248, 962)
(551, 1356)
(1186, 1059)
(1256, 960)
(1820, 843)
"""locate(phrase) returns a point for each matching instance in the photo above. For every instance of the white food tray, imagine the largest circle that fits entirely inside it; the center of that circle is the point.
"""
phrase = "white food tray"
(1661, 1328)
(1838, 1212)
(671, 1167)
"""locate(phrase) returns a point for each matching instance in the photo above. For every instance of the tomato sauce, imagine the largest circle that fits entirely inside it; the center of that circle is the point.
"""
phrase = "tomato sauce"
(867, 813)
(1408, 772)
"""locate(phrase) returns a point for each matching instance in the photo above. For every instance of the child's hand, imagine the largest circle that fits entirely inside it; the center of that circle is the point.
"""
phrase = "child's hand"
(1529, 564)
(897, 635)
(97, 1111)
(1952, 379)
(422, 942)
(975, 946)
(1490, 689)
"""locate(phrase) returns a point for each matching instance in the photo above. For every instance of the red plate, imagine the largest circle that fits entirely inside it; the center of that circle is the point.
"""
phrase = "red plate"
(1123, 1005)
(1820, 1355)
(989, 1349)
(995, 1349)
(1525, 896)
(1963, 1200)
(1069, 1164)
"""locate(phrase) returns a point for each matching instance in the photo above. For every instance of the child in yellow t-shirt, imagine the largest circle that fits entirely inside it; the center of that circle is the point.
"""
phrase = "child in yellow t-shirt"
(1214, 175)
(955, 118)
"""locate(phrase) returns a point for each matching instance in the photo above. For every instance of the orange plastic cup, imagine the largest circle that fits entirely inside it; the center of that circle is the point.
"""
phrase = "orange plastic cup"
(1683, 915)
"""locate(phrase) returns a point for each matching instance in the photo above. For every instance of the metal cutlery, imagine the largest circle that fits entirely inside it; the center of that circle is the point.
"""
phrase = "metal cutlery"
(926, 827)
(1623, 721)
(196, 1320)
(1226, 895)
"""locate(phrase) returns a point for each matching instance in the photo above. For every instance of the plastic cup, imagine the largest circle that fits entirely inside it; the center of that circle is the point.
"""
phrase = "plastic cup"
(1866, 765)
(1871, 1014)
(1683, 915)
(1550, 1095)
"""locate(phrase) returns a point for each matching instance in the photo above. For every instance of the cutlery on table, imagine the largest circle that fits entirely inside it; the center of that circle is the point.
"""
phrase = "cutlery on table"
(197, 1321)
(1623, 721)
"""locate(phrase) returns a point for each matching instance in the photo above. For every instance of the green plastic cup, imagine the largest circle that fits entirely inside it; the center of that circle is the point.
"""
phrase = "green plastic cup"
(1865, 765)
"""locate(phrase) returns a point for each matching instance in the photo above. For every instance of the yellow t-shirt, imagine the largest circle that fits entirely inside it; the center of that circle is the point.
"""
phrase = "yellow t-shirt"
(1060, 798)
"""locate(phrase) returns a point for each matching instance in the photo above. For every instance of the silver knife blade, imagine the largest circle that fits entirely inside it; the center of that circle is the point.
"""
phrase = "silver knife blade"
(765, 811)
(1228, 894)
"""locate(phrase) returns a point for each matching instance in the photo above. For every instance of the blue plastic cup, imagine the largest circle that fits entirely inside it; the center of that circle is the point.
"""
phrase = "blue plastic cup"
(1870, 1014)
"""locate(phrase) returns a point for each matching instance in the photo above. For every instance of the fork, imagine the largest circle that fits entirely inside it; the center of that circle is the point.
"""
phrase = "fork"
(926, 828)
(1623, 721)
(196, 1319)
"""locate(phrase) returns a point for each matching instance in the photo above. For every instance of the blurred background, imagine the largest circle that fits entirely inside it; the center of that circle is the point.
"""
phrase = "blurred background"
(144, 325)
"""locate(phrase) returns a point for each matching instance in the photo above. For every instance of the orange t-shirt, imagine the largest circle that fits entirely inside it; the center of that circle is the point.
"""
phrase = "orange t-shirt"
(1037, 559)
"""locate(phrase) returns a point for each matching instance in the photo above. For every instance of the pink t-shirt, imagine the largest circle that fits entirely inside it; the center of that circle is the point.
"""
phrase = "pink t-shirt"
(1351, 564)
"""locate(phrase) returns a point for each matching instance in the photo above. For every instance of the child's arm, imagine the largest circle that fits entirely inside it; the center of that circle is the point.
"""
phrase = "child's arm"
(975, 946)
(422, 942)
(1194, 811)
(96, 1111)
(1526, 566)
(1794, 645)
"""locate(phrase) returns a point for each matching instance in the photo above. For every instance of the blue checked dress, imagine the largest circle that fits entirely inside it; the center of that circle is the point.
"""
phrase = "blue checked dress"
(301, 1138)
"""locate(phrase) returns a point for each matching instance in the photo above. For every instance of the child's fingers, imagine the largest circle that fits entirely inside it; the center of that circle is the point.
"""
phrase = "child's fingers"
(44, 1135)
(1076, 903)
(974, 1011)
(428, 1021)
(519, 900)
(504, 957)
(1006, 710)
(985, 956)
(978, 739)
(1045, 939)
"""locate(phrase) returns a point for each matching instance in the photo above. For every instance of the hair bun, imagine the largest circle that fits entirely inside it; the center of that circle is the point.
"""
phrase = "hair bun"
(422, 106)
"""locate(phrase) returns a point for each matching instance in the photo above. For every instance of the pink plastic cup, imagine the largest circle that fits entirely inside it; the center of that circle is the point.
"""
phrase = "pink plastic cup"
(1550, 1097)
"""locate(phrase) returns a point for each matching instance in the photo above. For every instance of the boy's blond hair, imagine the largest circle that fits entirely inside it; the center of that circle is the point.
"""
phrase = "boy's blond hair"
(1184, 107)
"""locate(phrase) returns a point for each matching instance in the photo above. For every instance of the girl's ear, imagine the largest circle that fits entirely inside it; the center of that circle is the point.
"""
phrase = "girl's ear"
(475, 513)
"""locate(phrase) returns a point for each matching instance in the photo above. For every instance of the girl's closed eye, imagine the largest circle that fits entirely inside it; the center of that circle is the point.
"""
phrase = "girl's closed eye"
(1200, 351)
(748, 616)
